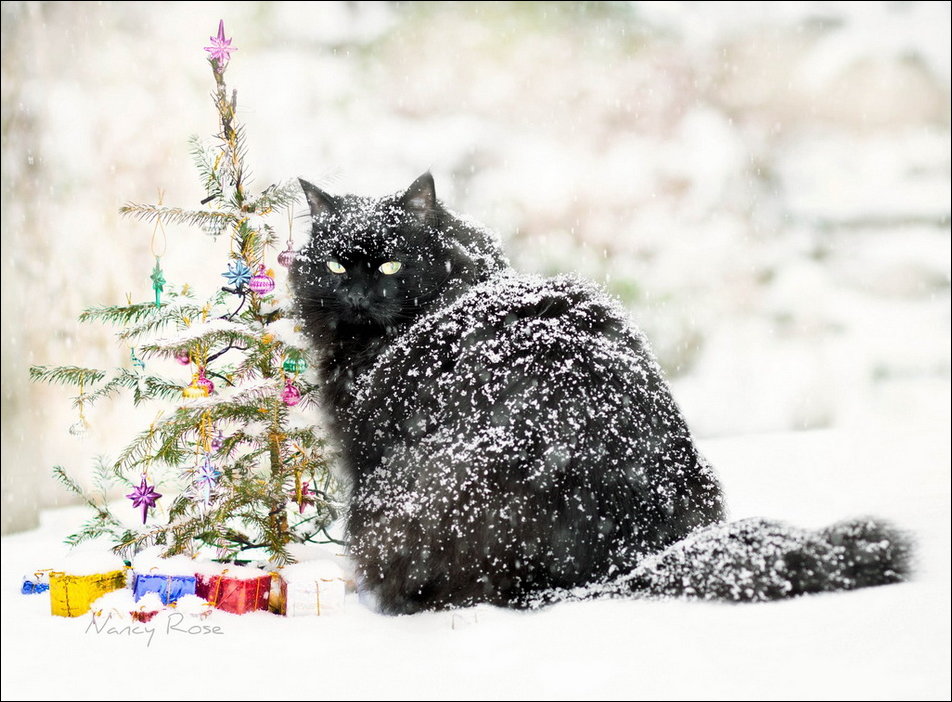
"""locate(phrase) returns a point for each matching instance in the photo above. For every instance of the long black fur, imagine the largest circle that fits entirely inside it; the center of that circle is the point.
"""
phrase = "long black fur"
(508, 436)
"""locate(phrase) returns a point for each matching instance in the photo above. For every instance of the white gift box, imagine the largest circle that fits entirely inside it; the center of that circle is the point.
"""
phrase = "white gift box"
(312, 588)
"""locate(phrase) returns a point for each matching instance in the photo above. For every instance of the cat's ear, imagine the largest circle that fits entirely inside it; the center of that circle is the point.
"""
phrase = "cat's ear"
(319, 201)
(420, 198)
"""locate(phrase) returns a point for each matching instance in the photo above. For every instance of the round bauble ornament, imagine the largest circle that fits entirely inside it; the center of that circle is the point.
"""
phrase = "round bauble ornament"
(195, 389)
(205, 382)
(290, 395)
(295, 365)
(261, 283)
(78, 428)
(286, 257)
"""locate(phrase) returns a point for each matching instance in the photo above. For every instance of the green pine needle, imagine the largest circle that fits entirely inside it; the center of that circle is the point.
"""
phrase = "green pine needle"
(66, 375)
(177, 215)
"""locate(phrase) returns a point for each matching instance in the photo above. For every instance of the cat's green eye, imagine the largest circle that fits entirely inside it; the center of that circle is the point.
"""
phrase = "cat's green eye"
(335, 267)
(390, 267)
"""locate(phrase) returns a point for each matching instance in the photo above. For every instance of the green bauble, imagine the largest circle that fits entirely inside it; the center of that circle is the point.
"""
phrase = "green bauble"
(295, 365)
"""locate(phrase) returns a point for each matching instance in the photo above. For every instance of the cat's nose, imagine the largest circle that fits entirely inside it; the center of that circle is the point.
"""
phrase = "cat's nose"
(358, 301)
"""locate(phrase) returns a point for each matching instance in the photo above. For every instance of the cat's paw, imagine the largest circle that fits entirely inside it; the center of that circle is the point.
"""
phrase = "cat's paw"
(870, 552)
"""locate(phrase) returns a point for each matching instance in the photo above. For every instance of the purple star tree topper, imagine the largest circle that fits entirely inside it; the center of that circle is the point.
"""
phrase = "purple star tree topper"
(221, 48)
(144, 496)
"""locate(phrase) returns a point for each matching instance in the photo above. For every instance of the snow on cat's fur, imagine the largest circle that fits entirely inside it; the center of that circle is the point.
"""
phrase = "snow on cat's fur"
(508, 437)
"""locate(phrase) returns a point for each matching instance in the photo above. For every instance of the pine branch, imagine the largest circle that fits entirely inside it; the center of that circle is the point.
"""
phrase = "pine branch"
(120, 315)
(60, 474)
(233, 442)
(306, 437)
(180, 506)
(132, 542)
(93, 528)
(168, 314)
(214, 332)
(144, 387)
(241, 539)
(165, 441)
(206, 165)
(272, 540)
(328, 538)
(122, 379)
(106, 480)
(157, 388)
(241, 470)
(137, 452)
(66, 375)
(102, 523)
(217, 219)
(235, 166)
(277, 197)
(243, 404)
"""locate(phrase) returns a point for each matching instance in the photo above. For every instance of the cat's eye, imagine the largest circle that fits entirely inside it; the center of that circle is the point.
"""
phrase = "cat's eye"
(335, 267)
(390, 267)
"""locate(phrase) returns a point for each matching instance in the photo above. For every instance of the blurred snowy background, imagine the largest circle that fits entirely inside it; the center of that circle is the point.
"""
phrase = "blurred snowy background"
(766, 186)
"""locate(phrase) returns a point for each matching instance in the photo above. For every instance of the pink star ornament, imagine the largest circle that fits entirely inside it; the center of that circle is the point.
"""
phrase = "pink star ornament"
(221, 48)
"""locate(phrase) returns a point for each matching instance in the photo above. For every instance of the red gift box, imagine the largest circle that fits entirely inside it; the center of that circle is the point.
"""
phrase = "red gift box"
(235, 593)
(144, 616)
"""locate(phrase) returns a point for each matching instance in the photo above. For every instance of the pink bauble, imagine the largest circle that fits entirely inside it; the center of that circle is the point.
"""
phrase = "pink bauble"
(183, 358)
(205, 383)
(291, 395)
(261, 282)
(286, 257)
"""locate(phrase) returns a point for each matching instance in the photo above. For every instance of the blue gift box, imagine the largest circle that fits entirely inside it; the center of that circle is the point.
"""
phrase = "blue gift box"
(30, 587)
(168, 587)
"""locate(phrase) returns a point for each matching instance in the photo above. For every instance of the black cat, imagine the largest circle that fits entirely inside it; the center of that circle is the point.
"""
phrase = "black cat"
(510, 437)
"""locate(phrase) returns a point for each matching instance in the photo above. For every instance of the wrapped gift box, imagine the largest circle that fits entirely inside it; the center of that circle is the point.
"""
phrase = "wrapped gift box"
(35, 583)
(168, 587)
(234, 589)
(146, 607)
(82, 581)
(122, 606)
(312, 588)
(170, 578)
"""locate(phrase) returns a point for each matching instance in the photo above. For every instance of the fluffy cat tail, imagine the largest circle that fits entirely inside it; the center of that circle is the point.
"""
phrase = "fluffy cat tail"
(756, 560)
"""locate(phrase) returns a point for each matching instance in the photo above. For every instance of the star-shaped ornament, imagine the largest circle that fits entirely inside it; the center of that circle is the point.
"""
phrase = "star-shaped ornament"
(307, 497)
(206, 480)
(144, 496)
(221, 48)
(238, 273)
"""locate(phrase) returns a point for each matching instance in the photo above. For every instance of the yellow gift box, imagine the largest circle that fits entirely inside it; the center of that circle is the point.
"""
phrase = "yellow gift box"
(72, 595)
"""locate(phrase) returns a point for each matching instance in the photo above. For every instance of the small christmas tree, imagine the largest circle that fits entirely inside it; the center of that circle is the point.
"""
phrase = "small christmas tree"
(234, 469)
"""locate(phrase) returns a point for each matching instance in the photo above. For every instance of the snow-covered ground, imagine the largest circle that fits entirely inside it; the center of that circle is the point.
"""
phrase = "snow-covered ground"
(883, 643)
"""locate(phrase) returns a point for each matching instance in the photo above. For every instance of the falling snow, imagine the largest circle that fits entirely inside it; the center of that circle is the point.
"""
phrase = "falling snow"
(765, 186)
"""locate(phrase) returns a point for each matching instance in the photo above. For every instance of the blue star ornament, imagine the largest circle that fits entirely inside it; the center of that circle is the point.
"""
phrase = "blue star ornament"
(238, 273)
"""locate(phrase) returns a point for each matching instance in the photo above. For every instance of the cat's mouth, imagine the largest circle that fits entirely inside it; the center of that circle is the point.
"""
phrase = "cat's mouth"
(363, 318)
(366, 315)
